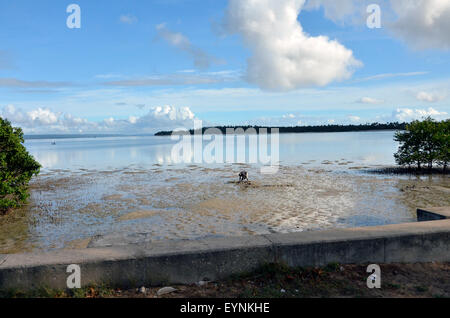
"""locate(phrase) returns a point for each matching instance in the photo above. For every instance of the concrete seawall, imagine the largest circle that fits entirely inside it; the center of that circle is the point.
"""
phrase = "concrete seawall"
(433, 214)
(174, 262)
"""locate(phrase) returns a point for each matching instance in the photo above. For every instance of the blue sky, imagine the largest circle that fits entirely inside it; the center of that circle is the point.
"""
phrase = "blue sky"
(146, 65)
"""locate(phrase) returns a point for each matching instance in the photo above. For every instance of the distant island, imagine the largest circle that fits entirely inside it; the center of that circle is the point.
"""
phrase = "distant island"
(306, 129)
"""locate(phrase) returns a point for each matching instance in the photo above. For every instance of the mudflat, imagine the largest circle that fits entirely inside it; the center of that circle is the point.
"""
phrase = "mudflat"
(67, 208)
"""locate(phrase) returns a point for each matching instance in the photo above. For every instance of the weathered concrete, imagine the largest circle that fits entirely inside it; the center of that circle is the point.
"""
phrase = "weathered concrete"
(150, 264)
(433, 214)
(415, 242)
(216, 258)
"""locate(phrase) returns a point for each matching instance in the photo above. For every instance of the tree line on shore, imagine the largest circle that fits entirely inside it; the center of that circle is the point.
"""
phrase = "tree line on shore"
(424, 144)
(303, 129)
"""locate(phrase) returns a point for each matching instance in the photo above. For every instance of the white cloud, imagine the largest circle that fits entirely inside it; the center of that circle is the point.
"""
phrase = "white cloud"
(128, 19)
(109, 121)
(284, 56)
(369, 100)
(44, 120)
(407, 114)
(341, 10)
(173, 113)
(202, 60)
(71, 121)
(41, 117)
(133, 119)
(354, 119)
(429, 97)
(423, 24)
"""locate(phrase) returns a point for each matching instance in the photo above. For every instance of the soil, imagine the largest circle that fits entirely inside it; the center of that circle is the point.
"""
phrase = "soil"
(431, 280)
(428, 280)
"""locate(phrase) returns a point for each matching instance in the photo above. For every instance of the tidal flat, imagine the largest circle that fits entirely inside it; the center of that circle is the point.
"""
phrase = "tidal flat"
(68, 208)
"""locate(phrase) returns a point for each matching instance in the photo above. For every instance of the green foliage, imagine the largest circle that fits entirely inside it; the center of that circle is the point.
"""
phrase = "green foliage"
(17, 167)
(442, 139)
(424, 142)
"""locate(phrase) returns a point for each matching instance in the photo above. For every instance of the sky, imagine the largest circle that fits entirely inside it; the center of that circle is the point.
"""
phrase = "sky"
(142, 66)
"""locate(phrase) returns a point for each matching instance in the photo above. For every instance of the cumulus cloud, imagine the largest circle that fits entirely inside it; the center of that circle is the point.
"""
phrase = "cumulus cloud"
(342, 10)
(407, 114)
(202, 60)
(44, 120)
(424, 24)
(430, 97)
(169, 113)
(284, 57)
(369, 100)
(41, 117)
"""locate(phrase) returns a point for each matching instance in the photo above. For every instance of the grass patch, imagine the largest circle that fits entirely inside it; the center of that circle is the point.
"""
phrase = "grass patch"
(94, 291)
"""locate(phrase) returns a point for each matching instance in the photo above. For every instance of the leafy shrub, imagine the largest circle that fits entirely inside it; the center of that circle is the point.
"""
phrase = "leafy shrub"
(17, 167)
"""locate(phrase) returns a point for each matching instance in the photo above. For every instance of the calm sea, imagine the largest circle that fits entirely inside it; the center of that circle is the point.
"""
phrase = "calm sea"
(359, 148)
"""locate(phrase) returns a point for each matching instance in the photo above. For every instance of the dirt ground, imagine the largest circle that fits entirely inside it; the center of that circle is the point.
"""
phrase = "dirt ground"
(273, 281)
(431, 280)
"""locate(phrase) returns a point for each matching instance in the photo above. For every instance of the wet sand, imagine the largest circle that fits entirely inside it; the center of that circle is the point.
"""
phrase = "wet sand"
(68, 208)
